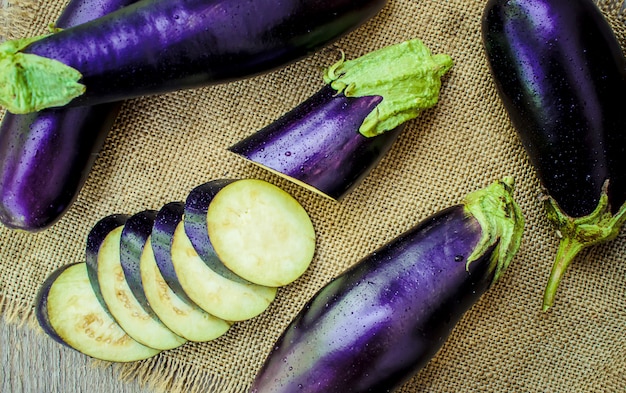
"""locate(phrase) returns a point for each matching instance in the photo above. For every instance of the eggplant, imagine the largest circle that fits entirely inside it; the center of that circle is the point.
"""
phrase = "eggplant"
(195, 223)
(165, 223)
(143, 326)
(375, 325)
(180, 315)
(68, 311)
(158, 46)
(46, 157)
(330, 142)
(561, 75)
(95, 238)
(135, 234)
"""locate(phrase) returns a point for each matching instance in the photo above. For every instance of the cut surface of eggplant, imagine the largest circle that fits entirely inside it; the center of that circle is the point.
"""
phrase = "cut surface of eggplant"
(68, 305)
(123, 305)
(196, 208)
(223, 298)
(181, 316)
(260, 232)
(136, 231)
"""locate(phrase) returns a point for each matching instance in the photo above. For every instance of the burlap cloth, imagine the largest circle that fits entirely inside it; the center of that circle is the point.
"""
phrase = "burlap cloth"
(161, 147)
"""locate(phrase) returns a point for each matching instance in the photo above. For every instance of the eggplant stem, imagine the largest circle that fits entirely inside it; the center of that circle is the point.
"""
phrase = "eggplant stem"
(568, 249)
(578, 233)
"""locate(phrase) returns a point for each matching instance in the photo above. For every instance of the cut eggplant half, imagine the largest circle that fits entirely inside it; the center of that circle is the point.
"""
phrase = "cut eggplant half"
(260, 232)
(181, 316)
(69, 311)
(331, 141)
(317, 145)
(125, 308)
(94, 241)
(219, 296)
(196, 208)
(135, 233)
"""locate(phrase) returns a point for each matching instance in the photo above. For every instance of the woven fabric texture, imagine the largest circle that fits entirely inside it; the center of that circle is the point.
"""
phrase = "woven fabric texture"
(163, 146)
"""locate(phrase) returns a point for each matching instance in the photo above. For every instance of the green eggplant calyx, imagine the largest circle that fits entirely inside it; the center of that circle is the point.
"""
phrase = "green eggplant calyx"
(29, 83)
(406, 75)
(501, 221)
(578, 233)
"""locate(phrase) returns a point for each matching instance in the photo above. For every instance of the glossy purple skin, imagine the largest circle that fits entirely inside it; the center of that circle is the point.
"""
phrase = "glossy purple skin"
(196, 229)
(318, 143)
(165, 223)
(95, 238)
(158, 46)
(134, 236)
(562, 78)
(374, 326)
(46, 157)
(41, 304)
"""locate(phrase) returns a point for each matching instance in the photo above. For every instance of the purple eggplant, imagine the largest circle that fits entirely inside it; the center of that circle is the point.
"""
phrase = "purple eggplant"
(45, 157)
(331, 141)
(375, 325)
(561, 75)
(158, 46)
(307, 145)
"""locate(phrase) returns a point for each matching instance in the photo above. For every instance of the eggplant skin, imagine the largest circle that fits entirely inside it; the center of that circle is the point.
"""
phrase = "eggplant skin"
(46, 156)
(158, 46)
(318, 143)
(45, 160)
(374, 326)
(561, 75)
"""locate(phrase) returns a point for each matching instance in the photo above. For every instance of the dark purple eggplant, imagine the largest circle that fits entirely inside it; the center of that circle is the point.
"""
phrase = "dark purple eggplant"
(331, 141)
(158, 46)
(561, 75)
(45, 157)
(305, 145)
(375, 325)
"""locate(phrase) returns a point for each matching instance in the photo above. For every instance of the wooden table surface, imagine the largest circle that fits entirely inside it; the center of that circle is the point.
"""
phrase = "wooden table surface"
(30, 362)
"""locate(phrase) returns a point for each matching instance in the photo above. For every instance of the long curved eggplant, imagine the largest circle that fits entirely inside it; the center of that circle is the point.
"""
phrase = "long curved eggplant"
(331, 141)
(45, 157)
(158, 46)
(375, 325)
(561, 75)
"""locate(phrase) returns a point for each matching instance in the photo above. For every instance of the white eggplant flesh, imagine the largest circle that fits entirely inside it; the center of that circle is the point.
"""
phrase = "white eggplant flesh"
(217, 295)
(260, 232)
(181, 316)
(69, 311)
(123, 305)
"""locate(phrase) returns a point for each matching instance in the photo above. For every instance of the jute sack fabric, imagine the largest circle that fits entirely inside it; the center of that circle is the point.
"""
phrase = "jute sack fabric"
(161, 147)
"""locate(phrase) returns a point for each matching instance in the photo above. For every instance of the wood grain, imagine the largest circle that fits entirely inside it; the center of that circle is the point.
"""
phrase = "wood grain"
(32, 363)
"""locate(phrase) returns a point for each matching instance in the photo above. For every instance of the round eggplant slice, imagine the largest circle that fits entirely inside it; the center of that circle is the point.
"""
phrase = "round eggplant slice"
(180, 315)
(260, 232)
(196, 208)
(136, 231)
(219, 296)
(68, 311)
(125, 308)
(94, 240)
